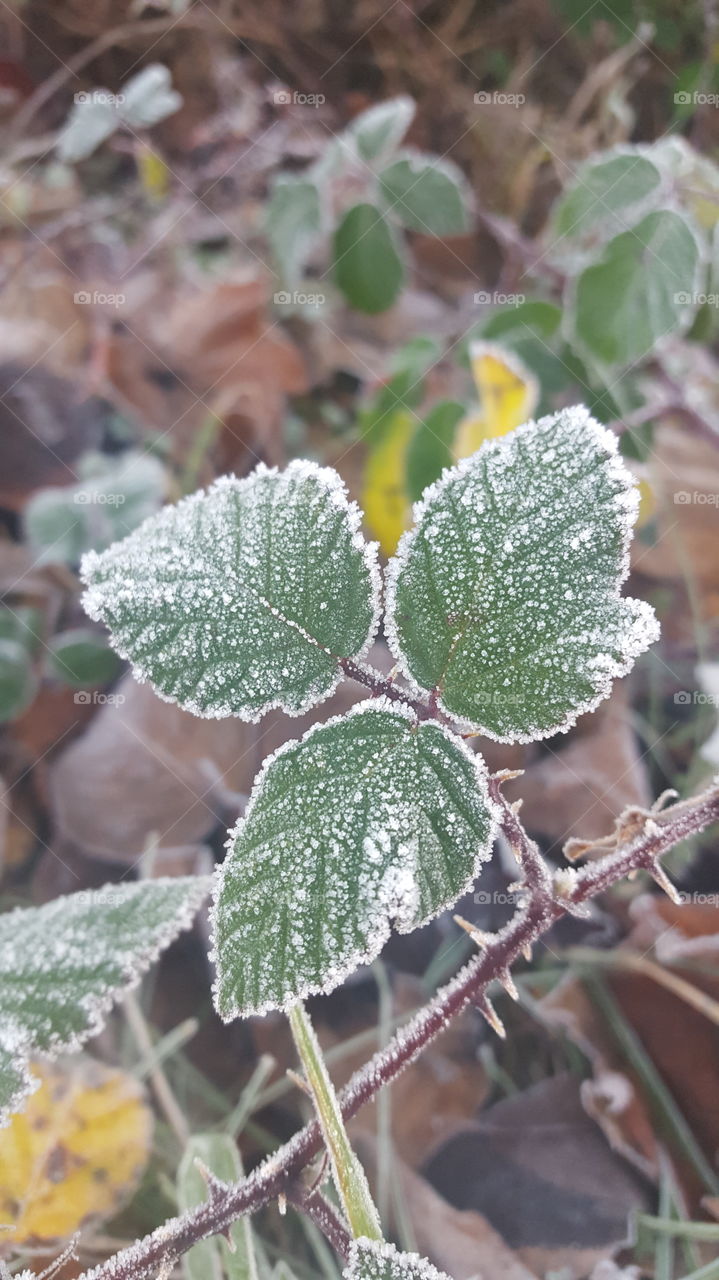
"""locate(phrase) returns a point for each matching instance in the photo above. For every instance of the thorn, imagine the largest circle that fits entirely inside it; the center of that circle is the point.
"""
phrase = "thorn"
(299, 1081)
(229, 1240)
(517, 886)
(509, 984)
(527, 950)
(480, 939)
(632, 875)
(507, 775)
(516, 805)
(488, 1011)
(663, 800)
(282, 1203)
(215, 1186)
(659, 875)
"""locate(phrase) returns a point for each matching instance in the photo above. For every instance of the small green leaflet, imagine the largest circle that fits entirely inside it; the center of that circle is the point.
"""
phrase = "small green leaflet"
(244, 597)
(370, 818)
(642, 289)
(606, 194)
(377, 131)
(367, 265)
(425, 194)
(505, 596)
(377, 1260)
(63, 965)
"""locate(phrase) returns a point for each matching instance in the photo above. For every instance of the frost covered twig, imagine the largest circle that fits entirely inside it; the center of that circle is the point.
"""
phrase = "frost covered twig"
(542, 908)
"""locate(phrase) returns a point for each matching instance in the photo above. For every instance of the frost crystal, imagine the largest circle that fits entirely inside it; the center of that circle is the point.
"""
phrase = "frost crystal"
(377, 1260)
(63, 965)
(370, 818)
(245, 597)
(505, 596)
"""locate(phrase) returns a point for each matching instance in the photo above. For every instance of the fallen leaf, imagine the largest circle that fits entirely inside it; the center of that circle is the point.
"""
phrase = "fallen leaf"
(74, 1154)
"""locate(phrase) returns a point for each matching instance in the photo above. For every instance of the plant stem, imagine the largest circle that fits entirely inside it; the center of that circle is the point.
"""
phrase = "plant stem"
(348, 1173)
(660, 833)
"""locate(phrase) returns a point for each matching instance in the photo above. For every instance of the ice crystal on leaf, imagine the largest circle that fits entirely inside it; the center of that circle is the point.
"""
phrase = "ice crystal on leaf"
(64, 964)
(505, 595)
(377, 1260)
(244, 597)
(371, 818)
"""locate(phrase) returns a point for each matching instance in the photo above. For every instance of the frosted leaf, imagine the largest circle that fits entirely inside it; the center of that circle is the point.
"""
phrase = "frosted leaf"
(244, 597)
(377, 1260)
(370, 818)
(505, 596)
(63, 965)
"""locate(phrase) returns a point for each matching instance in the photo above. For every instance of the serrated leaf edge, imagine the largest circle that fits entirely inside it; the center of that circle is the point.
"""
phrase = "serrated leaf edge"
(645, 629)
(380, 935)
(385, 1252)
(18, 1044)
(338, 494)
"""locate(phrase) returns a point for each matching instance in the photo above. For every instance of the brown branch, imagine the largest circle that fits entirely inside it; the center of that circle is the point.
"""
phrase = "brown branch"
(324, 1215)
(279, 1172)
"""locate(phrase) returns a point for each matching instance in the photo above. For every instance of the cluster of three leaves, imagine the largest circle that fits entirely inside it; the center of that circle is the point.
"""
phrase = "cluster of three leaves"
(504, 600)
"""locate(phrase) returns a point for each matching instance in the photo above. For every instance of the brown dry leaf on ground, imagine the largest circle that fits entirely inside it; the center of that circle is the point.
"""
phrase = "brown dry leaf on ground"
(684, 473)
(580, 786)
(75, 1153)
(460, 1242)
(541, 1172)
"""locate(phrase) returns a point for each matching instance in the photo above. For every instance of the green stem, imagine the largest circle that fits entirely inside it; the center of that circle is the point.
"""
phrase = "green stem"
(348, 1172)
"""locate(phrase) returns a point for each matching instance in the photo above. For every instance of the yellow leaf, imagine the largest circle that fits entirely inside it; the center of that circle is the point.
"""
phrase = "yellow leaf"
(153, 173)
(647, 503)
(75, 1153)
(387, 507)
(508, 395)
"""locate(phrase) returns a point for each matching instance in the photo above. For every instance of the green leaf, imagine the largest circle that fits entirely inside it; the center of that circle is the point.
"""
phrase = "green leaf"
(377, 1260)
(505, 596)
(81, 658)
(377, 131)
(148, 97)
(18, 683)
(430, 448)
(112, 496)
(214, 1258)
(370, 818)
(367, 265)
(244, 597)
(605, 194)
(293, 222)
(643, 289)
(425, 194)
(63, 965)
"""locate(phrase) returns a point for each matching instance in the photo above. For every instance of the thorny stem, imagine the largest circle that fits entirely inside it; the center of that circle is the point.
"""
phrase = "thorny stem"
(278, 1174)
(324, 1215)
(381, 686)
